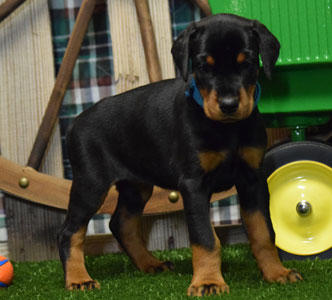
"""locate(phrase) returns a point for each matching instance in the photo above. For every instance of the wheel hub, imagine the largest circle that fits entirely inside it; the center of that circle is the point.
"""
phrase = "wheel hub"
(301, 207)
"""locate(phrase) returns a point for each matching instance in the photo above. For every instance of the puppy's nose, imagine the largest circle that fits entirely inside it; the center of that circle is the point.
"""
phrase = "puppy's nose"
(229, 105)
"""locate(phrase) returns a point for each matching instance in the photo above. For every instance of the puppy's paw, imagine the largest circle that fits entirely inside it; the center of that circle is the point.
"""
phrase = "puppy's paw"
(283, 276)
(159, 267)
(294, 276)
(83, 286)
(206, 289)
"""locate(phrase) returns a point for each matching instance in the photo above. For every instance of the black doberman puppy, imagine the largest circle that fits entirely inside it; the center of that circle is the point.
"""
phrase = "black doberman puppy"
(199, 134)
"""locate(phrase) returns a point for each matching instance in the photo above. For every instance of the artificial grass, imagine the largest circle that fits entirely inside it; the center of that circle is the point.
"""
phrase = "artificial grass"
(120, 280)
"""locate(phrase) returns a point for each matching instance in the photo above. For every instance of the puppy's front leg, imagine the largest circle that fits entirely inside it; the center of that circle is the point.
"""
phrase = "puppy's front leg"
(254, 201)
(206, 257)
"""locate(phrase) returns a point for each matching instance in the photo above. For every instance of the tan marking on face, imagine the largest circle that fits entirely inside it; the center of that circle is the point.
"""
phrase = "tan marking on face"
(213, 111)
(207, 269)
(76, 272)
(251, 90)
(211, 160)
(253, 156)
(211, 105)
(246, 103)
(210, 60)
(241, 58)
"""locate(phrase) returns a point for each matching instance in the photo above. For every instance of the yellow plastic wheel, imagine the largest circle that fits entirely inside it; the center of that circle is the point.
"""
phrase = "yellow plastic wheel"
(301, 207)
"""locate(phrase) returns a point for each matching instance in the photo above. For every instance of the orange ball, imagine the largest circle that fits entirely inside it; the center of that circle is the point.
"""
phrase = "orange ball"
(6, 272)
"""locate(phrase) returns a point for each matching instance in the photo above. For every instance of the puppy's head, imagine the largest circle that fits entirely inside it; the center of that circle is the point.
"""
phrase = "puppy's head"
(223, 51)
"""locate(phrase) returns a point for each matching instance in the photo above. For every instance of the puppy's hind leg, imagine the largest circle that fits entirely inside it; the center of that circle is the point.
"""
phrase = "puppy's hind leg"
(85, 200)
(125, 226)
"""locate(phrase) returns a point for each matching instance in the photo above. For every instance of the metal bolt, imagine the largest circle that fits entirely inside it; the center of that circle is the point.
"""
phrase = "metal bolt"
(23, 182)
(173, 196)
(303, 208)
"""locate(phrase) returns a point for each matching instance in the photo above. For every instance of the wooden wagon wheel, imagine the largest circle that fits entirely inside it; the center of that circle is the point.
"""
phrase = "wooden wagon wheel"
(29, 184)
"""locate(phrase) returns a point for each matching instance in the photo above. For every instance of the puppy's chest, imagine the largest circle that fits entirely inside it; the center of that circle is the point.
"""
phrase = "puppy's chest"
(229, 158)
(220, 167)
(212, 160)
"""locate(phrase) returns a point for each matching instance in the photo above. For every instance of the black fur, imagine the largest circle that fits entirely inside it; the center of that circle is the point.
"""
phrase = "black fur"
(154, 134)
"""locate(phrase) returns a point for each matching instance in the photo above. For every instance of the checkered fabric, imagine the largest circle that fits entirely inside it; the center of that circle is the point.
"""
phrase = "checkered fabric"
(92, 77)
(93, 80)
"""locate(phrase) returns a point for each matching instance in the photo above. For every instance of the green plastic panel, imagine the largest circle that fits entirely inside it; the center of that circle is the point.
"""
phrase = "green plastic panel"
(303, 27)
(297, 90)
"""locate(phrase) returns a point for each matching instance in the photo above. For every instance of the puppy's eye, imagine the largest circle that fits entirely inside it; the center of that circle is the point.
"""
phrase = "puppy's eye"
(249, 62)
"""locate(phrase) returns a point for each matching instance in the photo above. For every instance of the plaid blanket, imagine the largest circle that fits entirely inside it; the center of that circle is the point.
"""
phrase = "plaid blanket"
(92, 77)
(93, 80)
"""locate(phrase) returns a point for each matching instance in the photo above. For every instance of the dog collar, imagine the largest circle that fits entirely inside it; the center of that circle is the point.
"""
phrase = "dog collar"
(193, 91)
(257, 94)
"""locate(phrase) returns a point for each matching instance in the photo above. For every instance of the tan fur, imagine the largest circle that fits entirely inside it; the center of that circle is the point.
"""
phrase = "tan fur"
(211, 160)
(212, 109)
(210, 60)
(264, 250)
(76, 273)
(241, 58)
(207, 270)
(252, 156)
(132, 240)
(210, 105)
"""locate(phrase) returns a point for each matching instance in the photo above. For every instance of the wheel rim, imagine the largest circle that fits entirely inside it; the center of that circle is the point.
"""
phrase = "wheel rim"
(301, 207)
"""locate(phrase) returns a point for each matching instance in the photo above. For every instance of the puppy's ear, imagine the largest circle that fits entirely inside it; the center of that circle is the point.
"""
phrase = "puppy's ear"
(180, 50)
(268, 45)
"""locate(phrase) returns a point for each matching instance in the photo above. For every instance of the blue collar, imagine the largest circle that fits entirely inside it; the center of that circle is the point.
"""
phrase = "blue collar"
(193, 91)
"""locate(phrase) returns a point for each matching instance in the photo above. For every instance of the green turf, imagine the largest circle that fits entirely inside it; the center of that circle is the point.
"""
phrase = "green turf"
(120, 280)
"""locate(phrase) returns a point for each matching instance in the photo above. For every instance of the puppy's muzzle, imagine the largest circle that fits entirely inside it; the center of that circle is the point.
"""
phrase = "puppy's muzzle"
(229, 105)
